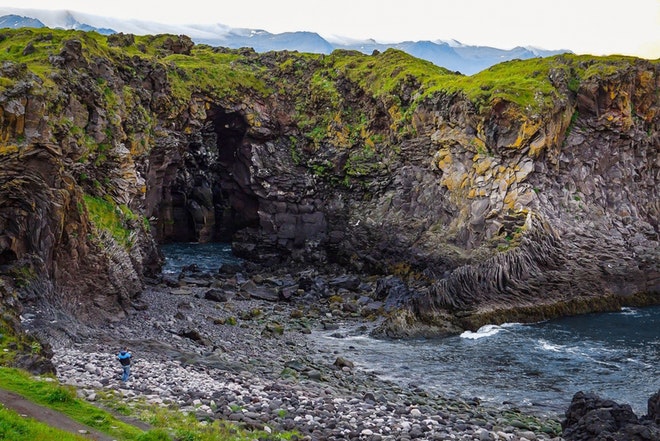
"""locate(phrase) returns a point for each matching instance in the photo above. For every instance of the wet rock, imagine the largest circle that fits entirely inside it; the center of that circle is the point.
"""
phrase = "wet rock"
(229, 269)
(341, 362)
(590, 417)
(330, 326)
(195, 336)
(217, 295)
(653, 412)
(392, 290)
(260, 292)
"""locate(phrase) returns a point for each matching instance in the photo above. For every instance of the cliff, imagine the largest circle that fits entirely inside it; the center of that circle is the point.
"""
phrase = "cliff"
(526, 191)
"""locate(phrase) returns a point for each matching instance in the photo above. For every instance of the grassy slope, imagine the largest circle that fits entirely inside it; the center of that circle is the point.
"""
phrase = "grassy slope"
(168, 423)
(47, 392)
(14, 427)
(311, 80)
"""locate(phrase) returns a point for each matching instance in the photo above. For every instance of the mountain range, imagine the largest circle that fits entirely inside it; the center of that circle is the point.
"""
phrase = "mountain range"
(451, 54)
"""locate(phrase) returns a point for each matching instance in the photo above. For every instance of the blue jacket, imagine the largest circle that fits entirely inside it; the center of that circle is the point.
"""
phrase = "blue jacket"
(124, 358)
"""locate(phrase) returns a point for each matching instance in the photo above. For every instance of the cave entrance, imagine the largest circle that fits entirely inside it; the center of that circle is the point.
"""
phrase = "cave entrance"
(236, 204)
(7, 256)
(206, 194)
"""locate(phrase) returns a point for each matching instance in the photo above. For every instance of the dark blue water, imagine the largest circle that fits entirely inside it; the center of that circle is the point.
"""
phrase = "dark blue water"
(209, 257)
(538, 366)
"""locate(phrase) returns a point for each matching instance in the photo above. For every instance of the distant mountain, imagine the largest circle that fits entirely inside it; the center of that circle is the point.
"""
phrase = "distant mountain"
(16, 21)
(263, 41)
(449, 54)
(65, 20)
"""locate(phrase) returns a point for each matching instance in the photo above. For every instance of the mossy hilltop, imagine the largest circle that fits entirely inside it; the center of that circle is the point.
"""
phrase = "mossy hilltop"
(530, 183)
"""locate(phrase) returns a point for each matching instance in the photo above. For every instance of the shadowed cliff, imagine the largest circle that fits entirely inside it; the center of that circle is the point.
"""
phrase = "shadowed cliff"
(526, 191)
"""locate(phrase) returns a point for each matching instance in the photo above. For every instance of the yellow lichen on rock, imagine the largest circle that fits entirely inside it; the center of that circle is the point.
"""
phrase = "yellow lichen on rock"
(8, 149)
(526, 132)
(443, 160)
(537, 144)
(482, 164)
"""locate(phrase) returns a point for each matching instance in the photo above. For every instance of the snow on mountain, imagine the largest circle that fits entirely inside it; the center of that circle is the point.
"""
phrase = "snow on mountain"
(17, 21)
(450, 54)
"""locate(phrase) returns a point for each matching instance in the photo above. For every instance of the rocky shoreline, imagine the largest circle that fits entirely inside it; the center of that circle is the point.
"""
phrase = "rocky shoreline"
(225, 347)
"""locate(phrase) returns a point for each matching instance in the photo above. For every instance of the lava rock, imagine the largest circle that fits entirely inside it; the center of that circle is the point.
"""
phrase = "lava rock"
(591, 418)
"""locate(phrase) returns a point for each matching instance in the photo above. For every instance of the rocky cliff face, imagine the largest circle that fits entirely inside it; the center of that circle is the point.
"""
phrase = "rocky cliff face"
(570, 198)
(527, 191)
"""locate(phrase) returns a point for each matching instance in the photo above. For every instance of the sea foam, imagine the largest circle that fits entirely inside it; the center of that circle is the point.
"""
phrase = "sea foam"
(484, 331)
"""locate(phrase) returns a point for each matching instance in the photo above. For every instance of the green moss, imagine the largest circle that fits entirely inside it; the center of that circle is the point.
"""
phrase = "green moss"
(527, 84)
(384, 75)
(363, 162)
(107, 216)
(219, 74)
(13, 341)
(22, 275)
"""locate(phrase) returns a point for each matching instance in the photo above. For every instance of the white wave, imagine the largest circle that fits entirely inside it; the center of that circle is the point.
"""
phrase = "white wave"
(547, 346)
(484, 331)
(629, 311)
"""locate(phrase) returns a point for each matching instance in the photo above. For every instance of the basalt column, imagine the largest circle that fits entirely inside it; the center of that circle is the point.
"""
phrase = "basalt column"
(236, 205)
(198, 186)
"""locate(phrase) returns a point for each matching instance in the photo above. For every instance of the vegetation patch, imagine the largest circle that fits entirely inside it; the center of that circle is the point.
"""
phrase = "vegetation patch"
(169, 423)
(107, 216)
(219, 74)
(48, 392)
(15, 427)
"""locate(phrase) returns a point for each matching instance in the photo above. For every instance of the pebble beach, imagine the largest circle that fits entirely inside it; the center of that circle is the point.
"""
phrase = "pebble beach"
(222, 353)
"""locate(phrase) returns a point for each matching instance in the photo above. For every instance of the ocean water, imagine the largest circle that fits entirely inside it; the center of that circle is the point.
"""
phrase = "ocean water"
(209, 257)
(534, 366)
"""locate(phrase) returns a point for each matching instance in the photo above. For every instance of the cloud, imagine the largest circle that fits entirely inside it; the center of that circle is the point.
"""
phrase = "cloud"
(584, 26)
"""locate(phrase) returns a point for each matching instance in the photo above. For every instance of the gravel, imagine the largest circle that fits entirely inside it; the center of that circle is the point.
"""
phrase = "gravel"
(226, 355)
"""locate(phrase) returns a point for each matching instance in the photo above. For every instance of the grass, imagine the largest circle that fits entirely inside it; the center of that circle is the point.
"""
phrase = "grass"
(14, 427)
(48, 392)
(328, 92)
(169, 424)
(105, 215)
(222, 75)
(526, 83)
(384, 75)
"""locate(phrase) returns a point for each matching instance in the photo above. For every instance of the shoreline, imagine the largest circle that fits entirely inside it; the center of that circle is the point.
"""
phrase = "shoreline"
(253, 362)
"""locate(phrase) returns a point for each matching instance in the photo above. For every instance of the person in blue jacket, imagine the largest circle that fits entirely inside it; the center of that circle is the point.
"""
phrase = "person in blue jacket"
(124, 358)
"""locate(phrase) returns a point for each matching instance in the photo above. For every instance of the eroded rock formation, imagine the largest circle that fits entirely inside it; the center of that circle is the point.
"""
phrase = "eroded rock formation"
(501, 204)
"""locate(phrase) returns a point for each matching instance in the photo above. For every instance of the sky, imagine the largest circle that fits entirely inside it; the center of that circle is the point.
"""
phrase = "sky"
(597, 27)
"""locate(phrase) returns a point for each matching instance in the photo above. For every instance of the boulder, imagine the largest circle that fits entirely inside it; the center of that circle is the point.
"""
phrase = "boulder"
(217, 295)
(591, 418)
(260, 292)
(653, 413)
(346, 281)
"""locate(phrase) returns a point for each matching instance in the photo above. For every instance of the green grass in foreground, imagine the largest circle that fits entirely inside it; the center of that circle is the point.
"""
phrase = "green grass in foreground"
(14, 427)
(48, 392)
(169, 424)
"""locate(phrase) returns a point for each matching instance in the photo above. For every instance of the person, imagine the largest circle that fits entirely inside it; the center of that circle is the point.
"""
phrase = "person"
(124, 358)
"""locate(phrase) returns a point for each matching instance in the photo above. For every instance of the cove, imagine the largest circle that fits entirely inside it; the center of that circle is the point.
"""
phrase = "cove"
(536, 366)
